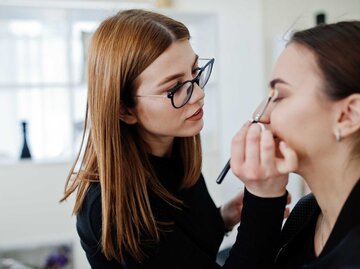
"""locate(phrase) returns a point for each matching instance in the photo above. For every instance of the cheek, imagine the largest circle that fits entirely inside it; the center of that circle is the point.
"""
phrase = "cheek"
(279, 120)
(290, 112)
(285, 123)
(285, 128)
(158, 118)
(296, 125)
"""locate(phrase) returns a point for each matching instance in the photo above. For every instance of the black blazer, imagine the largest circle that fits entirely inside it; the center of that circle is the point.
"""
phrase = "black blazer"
(342, 250)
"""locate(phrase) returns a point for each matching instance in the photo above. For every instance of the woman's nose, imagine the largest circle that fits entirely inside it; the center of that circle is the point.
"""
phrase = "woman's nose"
(263, 111)
(197, 94)
(265, 117)
(262, 114)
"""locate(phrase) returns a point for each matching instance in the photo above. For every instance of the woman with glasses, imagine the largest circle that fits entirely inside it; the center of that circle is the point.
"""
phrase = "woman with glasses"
(141, 201)
(312, 127)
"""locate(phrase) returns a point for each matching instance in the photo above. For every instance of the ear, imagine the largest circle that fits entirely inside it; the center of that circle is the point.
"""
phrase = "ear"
(127, 115)
(348, 121)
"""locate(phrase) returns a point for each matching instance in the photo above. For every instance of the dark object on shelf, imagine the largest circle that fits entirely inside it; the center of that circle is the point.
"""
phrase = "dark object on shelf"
(320, 18)
(25, 152)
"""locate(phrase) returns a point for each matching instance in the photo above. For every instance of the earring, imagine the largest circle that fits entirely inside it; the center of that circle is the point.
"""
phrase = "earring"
(338, 135)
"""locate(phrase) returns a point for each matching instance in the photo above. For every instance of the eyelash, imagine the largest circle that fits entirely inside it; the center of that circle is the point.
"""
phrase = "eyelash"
(172, 87)
(277, 99)
(194, 71)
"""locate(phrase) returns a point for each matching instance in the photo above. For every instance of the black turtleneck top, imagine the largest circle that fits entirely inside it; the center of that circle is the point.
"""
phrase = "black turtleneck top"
(197, 231)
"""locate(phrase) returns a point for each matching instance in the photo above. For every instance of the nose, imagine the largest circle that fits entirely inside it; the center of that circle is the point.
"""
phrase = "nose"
(197, 94)
(262, 113)
(265, 117)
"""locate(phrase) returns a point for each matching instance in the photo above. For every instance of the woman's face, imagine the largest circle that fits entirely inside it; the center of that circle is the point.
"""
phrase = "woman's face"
(158, 119)
(301, 115)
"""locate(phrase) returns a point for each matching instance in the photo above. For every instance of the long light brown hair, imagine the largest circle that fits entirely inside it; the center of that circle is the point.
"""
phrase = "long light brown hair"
(113, 152)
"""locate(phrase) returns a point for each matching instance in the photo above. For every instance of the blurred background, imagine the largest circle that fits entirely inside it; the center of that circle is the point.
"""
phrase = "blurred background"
(43, 96)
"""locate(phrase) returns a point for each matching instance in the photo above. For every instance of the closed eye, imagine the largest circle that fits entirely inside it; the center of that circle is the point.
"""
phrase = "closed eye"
(277, 99)
(278, 95)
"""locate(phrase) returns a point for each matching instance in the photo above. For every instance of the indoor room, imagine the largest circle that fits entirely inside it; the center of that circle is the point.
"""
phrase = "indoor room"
(43, 91)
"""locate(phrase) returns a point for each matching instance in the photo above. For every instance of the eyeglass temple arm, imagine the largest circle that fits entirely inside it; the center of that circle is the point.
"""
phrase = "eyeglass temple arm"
(226, 168)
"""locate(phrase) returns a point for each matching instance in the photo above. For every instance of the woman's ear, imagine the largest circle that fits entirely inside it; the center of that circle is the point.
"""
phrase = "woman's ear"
(348, 121)
(127, 115)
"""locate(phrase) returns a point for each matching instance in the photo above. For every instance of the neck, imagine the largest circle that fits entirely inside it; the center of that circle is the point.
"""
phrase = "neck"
(331, 185)
(160, 146)
(161, 150)
(331, 176)
(331, 180)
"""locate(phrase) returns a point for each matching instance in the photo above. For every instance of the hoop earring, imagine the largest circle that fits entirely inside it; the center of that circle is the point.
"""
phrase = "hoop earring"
(338, 135)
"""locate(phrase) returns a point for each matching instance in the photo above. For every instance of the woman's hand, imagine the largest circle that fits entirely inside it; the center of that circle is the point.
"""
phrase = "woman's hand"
(254, 161)
(231, 211)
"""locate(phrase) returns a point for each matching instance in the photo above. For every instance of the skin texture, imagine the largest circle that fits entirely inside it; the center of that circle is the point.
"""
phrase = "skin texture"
(301, 105)
(301, 126)
(308, 120)
(160, 122)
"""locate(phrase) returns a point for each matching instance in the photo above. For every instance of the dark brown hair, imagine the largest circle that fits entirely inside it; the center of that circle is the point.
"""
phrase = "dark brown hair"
(114, 152)
(337, 50)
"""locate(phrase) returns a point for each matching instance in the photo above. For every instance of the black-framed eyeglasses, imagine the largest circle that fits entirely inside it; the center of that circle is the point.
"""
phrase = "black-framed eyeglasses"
(258, 113)
(181, 93)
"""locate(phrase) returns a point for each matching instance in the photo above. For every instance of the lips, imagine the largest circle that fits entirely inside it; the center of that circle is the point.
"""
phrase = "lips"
(197, 115)
(197, 112)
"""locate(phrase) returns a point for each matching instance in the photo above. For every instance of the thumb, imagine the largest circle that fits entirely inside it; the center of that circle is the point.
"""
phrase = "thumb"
(290, 161)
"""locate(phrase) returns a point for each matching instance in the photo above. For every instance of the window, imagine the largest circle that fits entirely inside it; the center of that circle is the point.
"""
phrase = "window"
(42, 76)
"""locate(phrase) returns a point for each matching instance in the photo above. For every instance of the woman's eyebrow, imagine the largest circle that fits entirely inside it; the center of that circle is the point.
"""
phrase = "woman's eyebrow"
(196, 60)
(170, 78)
(174, 76)
(275, 81)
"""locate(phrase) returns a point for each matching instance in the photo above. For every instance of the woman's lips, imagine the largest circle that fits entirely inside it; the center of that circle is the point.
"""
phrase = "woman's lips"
(197, 115)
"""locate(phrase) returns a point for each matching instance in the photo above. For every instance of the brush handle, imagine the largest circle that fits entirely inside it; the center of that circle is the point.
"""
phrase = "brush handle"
(223, 173)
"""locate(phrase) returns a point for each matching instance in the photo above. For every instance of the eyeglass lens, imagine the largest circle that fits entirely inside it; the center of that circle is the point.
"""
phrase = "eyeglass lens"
(183, 94)
(205, 75)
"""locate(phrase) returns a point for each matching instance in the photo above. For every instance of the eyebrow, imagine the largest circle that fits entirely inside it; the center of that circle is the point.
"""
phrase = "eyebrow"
(275, 81)
(172, 77)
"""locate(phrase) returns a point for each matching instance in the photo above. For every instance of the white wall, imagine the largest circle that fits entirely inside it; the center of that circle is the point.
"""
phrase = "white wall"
(239, 64)
(30, 210)
(279, 16)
